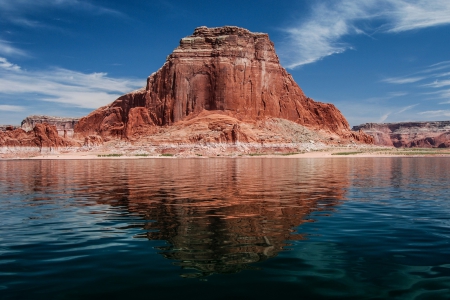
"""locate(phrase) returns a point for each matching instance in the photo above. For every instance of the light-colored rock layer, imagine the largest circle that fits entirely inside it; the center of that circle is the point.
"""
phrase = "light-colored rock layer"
(435, 134)
(64, 126)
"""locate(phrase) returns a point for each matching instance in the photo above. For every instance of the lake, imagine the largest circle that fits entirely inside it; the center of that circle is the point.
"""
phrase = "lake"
(309, 228)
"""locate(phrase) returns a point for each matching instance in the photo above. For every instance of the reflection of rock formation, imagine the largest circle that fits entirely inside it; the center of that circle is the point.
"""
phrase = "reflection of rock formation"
(217, 215)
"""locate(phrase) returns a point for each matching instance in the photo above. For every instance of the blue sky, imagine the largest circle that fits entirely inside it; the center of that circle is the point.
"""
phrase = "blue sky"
(376, 60)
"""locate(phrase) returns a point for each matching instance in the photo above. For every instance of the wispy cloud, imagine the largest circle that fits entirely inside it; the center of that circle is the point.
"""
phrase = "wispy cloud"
(438, 83)
(59, 85)
(5, 64)
(24, 12)
(407, 108)
(8, 50)
(11, 108)
(438, 89)
(321, 33)
(408, 15)
(403, 80)
(397, 94)
(436, 113)
(383, 117)
(388, 96)
(22, 7)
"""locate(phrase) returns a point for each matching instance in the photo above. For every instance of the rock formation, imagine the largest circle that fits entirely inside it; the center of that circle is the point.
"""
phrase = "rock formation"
(227, 71)
(42, 136)
(409, 134)
(64, 126)
(7, 127)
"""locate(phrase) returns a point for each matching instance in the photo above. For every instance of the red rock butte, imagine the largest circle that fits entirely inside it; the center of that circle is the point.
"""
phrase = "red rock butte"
(226, 71)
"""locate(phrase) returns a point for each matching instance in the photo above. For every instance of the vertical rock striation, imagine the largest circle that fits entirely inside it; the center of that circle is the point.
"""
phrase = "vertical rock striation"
(227, 69)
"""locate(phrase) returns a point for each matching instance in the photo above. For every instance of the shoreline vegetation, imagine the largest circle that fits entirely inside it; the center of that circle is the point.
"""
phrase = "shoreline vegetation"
(318, 151)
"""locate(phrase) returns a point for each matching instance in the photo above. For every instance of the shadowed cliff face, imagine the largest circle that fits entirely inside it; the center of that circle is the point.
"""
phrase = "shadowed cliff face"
(228, 69)
(409, 134)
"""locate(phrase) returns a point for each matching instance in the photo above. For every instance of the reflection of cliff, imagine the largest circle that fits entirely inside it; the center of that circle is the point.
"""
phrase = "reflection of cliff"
(217, 215)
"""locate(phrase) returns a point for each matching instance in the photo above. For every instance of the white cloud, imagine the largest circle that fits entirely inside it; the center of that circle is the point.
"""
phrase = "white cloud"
(321, 34)
(403, 80)
(397, 94)
(409, 15)
(439, 88)
(5, 64)
(383, 117)
(436, 113)
(7, 49)
(72, 88)
(12, 108)
(438, 83)
(407, 108)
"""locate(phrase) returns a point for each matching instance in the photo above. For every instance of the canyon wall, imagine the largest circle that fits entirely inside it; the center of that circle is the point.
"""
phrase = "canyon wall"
(64, 126)
(43, 136)
(435, 134)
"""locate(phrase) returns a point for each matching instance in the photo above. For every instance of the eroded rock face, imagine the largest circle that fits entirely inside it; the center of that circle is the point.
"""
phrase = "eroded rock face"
(226, 69)
(64, 126)
(7, 127)
(409, 134)
(42, 135)
(93, 141)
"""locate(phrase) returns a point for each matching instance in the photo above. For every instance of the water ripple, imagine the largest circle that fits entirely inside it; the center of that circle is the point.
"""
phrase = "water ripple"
(330, 228)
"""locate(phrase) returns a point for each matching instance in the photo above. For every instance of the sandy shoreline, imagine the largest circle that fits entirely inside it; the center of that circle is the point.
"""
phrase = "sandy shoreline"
(326, 153)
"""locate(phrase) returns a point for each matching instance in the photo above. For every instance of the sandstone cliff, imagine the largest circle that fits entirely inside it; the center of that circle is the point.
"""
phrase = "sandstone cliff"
(42, 136)
(7, 127)
(64, 126)
(409, 134)
(228, 70)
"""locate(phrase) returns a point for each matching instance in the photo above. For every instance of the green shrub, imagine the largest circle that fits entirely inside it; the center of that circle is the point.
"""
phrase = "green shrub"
(110, 155)
(346, 153)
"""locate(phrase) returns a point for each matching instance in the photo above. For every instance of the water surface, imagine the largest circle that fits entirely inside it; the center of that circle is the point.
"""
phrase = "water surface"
(353, 228)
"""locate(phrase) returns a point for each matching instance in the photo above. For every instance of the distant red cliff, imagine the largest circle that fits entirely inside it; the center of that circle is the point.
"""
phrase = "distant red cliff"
(43, 136)
(435, 134)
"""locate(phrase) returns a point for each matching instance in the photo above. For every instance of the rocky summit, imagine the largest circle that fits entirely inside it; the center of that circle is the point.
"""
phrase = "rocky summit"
(216, 82)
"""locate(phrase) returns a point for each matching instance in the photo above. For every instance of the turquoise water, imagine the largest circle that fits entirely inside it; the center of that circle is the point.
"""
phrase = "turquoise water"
(341, 228)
